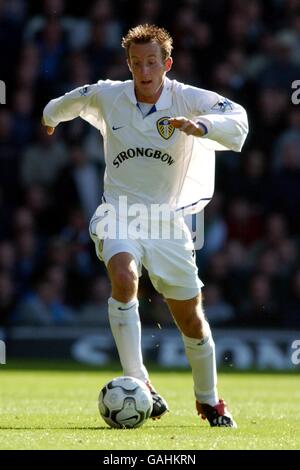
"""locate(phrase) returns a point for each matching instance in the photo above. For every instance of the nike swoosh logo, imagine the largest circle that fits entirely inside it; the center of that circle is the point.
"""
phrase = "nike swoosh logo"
(120, 308)
(116, 128)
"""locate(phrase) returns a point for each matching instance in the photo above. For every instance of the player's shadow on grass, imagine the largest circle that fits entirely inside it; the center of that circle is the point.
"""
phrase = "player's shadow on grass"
(49, 428)
(82, 428)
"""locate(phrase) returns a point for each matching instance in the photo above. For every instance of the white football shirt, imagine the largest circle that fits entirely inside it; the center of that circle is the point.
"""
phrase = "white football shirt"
(147, 159)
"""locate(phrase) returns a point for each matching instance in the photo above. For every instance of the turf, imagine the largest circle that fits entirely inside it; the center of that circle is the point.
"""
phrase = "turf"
(56, 408)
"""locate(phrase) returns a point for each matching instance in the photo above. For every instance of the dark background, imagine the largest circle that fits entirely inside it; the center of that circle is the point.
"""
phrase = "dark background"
(247, 51)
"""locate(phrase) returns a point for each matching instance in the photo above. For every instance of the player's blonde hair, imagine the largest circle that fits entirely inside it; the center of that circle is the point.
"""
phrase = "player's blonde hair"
(145, 33)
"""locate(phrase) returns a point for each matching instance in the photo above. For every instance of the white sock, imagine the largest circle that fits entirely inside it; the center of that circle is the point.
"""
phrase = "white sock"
(126, 328)
(202, 359)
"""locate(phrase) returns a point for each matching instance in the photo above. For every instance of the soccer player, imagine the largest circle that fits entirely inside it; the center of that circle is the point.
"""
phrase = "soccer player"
(159, 139)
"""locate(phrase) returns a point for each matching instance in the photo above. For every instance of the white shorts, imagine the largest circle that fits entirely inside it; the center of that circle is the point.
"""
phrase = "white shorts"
(170, 262)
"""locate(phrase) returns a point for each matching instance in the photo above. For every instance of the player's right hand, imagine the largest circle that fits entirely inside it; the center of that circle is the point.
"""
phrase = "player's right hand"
(49, 130)
(187, 126)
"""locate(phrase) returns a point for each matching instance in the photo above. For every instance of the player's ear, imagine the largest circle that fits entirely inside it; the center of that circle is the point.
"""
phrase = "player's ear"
(168, 64)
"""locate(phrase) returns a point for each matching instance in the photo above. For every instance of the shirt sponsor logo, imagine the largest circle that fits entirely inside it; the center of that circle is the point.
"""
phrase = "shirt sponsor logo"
(141, 152)
(165, 129)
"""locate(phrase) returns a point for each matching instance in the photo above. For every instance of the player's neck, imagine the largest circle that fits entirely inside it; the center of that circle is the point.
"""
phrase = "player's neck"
(152, 99)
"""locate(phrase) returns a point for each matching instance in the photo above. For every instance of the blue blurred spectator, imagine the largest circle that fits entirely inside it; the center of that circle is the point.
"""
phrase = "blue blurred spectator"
(43, 307)
(43, 159)
(218, 311)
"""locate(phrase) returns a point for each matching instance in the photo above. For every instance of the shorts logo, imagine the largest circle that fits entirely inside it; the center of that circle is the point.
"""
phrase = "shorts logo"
(165, 129)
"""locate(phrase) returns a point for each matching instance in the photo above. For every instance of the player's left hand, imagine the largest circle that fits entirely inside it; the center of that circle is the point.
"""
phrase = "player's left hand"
(49, 130)
(187, 126)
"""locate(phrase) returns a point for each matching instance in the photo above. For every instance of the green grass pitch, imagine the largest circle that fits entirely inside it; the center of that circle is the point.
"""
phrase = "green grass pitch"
(55, 407)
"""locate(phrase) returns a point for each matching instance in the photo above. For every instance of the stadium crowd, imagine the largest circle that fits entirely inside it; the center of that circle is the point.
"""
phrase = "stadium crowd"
(248, 51)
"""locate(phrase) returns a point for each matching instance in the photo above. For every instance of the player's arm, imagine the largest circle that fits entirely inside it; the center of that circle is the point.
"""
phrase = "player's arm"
(216, 118)
(81, 102)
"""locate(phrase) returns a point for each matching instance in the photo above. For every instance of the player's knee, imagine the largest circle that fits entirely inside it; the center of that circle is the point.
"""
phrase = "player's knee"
(125, 277)
(193, 326)
(124, 283)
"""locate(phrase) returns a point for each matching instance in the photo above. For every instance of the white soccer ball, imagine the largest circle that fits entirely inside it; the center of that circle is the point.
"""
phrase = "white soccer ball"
(125, 402)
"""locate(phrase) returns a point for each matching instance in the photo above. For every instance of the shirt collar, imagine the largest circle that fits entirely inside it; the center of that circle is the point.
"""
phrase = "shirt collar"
(164, 101)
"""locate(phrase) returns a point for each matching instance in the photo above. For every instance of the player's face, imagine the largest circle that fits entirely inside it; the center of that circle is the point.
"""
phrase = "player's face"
(148, 70)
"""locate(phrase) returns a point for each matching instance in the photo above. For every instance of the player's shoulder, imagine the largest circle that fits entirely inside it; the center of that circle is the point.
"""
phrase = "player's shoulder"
(102, 88)
(113, 86)
(192, 95)
(190, 90)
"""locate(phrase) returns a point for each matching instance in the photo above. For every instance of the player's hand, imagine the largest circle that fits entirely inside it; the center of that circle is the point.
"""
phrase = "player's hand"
(49, 130)
(187, 126)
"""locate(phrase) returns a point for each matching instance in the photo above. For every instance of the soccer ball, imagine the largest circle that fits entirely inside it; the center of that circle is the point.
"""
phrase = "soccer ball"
(125, 402)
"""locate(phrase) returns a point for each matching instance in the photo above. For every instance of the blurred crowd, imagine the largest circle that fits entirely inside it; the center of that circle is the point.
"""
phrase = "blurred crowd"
(248, 51)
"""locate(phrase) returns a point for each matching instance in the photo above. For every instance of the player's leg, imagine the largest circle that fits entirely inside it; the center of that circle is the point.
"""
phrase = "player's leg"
(123, 274)
(173, 272)
(123, 310)
(123, 260)
(199, 346)
(200, 351)
(124, 315)
(125, 323)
